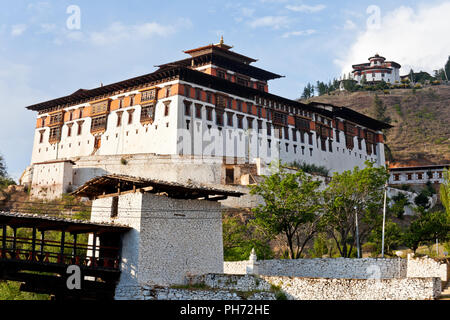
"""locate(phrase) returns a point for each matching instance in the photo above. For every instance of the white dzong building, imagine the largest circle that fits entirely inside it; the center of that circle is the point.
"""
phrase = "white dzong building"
(377, 70)
(208, 118)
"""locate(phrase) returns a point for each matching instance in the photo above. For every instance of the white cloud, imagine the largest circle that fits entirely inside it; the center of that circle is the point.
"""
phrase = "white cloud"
(414, 38)
(118, 32)
(18, 29)
(299, 33)
(306, 8)
(275, 22)
(349, 25)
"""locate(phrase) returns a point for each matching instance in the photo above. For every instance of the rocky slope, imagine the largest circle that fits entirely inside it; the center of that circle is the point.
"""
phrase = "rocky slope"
(421, 120)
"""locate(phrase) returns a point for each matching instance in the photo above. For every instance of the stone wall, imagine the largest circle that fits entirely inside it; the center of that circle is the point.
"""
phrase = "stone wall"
(343, 268)
(427, 267)
(340, 268)
(296, 288)
(167, 293)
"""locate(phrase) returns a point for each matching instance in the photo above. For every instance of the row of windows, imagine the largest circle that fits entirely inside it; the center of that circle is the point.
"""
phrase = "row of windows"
(419, 176)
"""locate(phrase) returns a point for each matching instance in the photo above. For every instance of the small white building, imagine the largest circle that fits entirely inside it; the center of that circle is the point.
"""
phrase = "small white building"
(377, 70)
(417, 175)
(176, 229)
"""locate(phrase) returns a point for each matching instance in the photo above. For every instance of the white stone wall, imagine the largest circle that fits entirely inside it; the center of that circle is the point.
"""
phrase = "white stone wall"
(51, 180)
(299, 288)
(344, 268)
(427, 267)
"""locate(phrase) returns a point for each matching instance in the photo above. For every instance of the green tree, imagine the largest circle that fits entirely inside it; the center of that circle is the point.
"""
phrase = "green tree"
(392, 236)
(379, 110)
(308, 91)
(5, 180)
(398, 207)
(291, 208)
(426, 228)
(445, 191)
(239, 237)
(360, 191)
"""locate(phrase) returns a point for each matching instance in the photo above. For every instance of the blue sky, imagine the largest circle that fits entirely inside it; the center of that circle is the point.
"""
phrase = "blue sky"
(41, 58)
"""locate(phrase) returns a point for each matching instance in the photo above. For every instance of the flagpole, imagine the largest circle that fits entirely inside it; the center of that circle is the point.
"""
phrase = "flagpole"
(384, 221)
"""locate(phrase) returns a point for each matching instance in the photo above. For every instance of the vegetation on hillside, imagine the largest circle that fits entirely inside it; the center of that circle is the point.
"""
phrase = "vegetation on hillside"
(299, 220)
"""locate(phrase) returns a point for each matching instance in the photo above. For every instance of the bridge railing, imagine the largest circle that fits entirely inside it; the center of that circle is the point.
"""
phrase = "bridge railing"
(55, 252)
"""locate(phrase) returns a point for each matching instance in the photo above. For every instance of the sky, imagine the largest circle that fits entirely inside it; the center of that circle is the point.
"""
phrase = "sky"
(50, 49)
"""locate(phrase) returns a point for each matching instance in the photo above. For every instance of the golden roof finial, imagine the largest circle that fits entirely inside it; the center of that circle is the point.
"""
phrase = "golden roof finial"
(221, 40)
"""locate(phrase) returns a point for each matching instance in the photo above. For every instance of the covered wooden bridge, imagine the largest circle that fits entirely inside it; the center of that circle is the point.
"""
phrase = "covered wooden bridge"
(36, 250)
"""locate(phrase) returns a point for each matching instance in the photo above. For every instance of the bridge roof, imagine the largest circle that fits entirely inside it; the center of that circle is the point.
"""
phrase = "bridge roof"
(46, 222)
(114, 185)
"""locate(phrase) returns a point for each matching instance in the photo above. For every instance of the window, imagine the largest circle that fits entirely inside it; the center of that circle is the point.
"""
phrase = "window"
(249, 108)
(221, 74)
(115, 207)
(310, 137)
(239, 123)
(323, 144)
(198, 94)
(187, 109)
(56, 118)
(70, 115)
(69, 130)
(330, 145)
(239, 106)
(249, 123)
(55, 134)
(148, 112)
(286, 133)
(260, 87)
(98, 123)
(41, 137)
(130, 116)
(294, 135)
(409, 176)
(80, 127)
(132, 100)
(198, 111)
(166, 109)
(209, 97)
(187, 124)
(396, 177)
(302, 137)
(187, 91)
(120, 103)
(80, 113)
(229, 119)
(119, 119)
(420, 176)
(269, 130)
(148, 95)
(242, 81)
(219, 118)
(260, 126)
(208, 114)
(230, 103)
(337, 136)
(168, 91)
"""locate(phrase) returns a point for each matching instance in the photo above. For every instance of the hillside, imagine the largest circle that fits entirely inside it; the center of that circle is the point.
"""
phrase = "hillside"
(421, 120)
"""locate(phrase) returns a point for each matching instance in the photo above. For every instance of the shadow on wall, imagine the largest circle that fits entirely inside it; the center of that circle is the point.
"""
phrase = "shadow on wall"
(82, 175)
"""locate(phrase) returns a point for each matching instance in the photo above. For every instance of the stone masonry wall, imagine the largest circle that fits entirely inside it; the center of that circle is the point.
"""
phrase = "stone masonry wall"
(297, 288)
(340, 268)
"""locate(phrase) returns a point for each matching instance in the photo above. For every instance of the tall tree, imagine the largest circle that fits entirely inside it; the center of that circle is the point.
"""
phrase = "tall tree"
(349, 193)
(3, 173)
(291, 208)
(445, 191)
